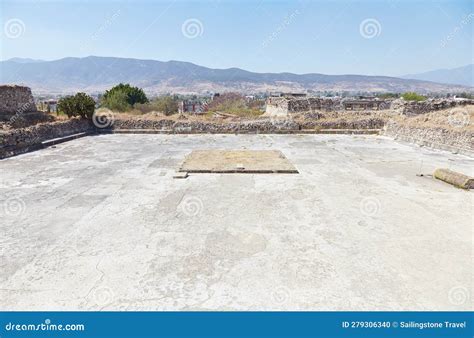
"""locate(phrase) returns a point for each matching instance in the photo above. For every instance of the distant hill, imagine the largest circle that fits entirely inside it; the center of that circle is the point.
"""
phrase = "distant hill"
(96, 74)
(24, 60)
(460, 76)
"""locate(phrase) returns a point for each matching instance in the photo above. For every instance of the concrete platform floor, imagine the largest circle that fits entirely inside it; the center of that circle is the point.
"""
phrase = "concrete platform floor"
(99, 223)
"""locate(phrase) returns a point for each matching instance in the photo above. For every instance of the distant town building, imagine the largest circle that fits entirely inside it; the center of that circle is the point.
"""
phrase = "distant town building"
(50, 106)
(282, 94)
(191, 106)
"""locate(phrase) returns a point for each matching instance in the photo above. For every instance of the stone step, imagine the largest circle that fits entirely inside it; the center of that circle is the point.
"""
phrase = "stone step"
(58, 140)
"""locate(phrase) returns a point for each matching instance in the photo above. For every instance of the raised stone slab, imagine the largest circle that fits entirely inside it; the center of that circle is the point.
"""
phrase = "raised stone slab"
(237, 161)
(180, 175)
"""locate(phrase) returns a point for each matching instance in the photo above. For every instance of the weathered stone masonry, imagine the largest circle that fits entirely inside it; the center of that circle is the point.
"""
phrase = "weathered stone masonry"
(15, 100)
(21, 140)
(461, 141)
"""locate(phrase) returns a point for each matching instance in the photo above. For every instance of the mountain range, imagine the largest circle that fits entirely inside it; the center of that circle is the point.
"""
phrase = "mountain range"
(461, 76)
(94, 74)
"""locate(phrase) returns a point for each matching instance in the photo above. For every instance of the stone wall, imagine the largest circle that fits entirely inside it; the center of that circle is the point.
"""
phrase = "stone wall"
(412, 108)
(258, 125)
(461, 141)
(14, 101)
(312, 104)
(282, 106)
(276, 106)
(17, 141)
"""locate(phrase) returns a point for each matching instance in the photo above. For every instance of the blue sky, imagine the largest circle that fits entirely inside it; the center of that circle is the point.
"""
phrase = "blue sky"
(388, 37)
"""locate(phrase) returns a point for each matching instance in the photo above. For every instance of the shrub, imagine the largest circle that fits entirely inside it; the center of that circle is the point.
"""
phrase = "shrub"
(164, 104)
(80, 104)
(122, 97)
(388, 95)
(116, 100)
(234, 103)
(412, 96)
(466, 95)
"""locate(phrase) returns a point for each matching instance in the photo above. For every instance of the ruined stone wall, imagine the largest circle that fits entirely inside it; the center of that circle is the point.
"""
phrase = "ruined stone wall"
(280, 106)
(304, 104)
(258, 125)
(276, 106)
(412, 108)
(15, 100)
(17, 141)
(461, 141)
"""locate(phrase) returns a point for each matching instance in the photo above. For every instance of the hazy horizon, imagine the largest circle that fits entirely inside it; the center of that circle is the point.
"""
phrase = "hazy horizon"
(210, 67)
(387, 38)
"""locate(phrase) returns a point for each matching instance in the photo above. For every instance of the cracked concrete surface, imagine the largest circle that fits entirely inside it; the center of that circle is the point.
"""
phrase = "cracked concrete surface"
(99, 223)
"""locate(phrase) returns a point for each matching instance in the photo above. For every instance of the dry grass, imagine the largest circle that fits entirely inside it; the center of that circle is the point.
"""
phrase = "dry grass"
(458, 119)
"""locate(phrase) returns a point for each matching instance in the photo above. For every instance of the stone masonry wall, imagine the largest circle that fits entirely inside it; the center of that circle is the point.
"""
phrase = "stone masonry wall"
(411, 108)
(260, 125)
(15, 100)
(276, 106)
(461, 141)
(17, 141)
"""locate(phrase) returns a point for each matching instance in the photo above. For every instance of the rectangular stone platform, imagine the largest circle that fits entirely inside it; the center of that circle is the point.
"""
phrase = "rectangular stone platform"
(237, 161)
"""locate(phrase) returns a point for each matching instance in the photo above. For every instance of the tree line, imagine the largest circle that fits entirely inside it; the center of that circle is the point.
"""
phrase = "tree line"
(121, 98)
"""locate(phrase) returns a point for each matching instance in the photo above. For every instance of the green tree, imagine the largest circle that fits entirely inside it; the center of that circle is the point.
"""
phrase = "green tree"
(388, 95)
(80, 104)
(123, 96)
(466, 95)
(412, 96)
(116, 100)
(166, 104)
(234, 103)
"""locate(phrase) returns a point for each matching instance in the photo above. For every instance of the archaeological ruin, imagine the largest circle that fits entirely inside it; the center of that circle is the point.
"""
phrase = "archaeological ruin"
(17, 106)
(15, 100)
(284, 105)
